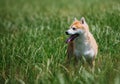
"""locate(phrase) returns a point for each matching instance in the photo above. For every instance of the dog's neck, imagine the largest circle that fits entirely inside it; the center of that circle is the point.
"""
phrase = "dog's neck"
(82, 38)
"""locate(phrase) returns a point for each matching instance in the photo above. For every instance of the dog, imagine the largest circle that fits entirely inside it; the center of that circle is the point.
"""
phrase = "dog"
(81, 42)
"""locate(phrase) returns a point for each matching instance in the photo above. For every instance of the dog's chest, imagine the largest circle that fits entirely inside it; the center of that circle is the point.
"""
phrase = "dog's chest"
(83, 48)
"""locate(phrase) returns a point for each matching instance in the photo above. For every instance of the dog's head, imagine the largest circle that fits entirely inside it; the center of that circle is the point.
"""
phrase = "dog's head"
(77, 28)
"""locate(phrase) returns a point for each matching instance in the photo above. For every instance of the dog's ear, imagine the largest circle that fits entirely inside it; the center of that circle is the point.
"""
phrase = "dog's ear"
(83, 20)
(75, 19)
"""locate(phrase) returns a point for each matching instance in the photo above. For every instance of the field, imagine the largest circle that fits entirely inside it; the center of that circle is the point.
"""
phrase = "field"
(32, 41)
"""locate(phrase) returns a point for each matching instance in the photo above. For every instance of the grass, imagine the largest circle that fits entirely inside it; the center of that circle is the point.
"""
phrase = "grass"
(32, 41)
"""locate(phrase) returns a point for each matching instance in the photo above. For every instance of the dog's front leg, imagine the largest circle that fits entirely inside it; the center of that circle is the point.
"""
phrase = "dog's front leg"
(92, 64)
(69, 52)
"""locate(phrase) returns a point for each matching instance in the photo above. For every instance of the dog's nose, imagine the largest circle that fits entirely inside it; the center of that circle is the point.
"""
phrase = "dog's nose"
(66, 33)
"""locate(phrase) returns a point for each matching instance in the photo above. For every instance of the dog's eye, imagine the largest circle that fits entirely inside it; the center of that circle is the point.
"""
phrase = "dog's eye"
(74, 28)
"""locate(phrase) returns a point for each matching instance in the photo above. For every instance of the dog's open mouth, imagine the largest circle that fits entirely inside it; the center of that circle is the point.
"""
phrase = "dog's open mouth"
(71, 38)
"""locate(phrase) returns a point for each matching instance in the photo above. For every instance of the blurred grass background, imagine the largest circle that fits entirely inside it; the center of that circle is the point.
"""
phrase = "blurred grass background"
(32, 41)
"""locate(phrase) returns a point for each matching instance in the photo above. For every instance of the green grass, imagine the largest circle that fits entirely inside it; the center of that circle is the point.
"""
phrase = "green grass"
(32, 41)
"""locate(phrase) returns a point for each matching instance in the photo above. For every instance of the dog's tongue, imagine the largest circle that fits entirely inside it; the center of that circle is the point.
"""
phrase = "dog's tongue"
(71, 38)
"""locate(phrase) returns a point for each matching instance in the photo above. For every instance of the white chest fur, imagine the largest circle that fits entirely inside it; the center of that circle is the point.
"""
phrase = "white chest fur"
(83, 48)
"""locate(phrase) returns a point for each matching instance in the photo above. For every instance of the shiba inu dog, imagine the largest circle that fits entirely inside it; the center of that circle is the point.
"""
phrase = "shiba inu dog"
(81, 42)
